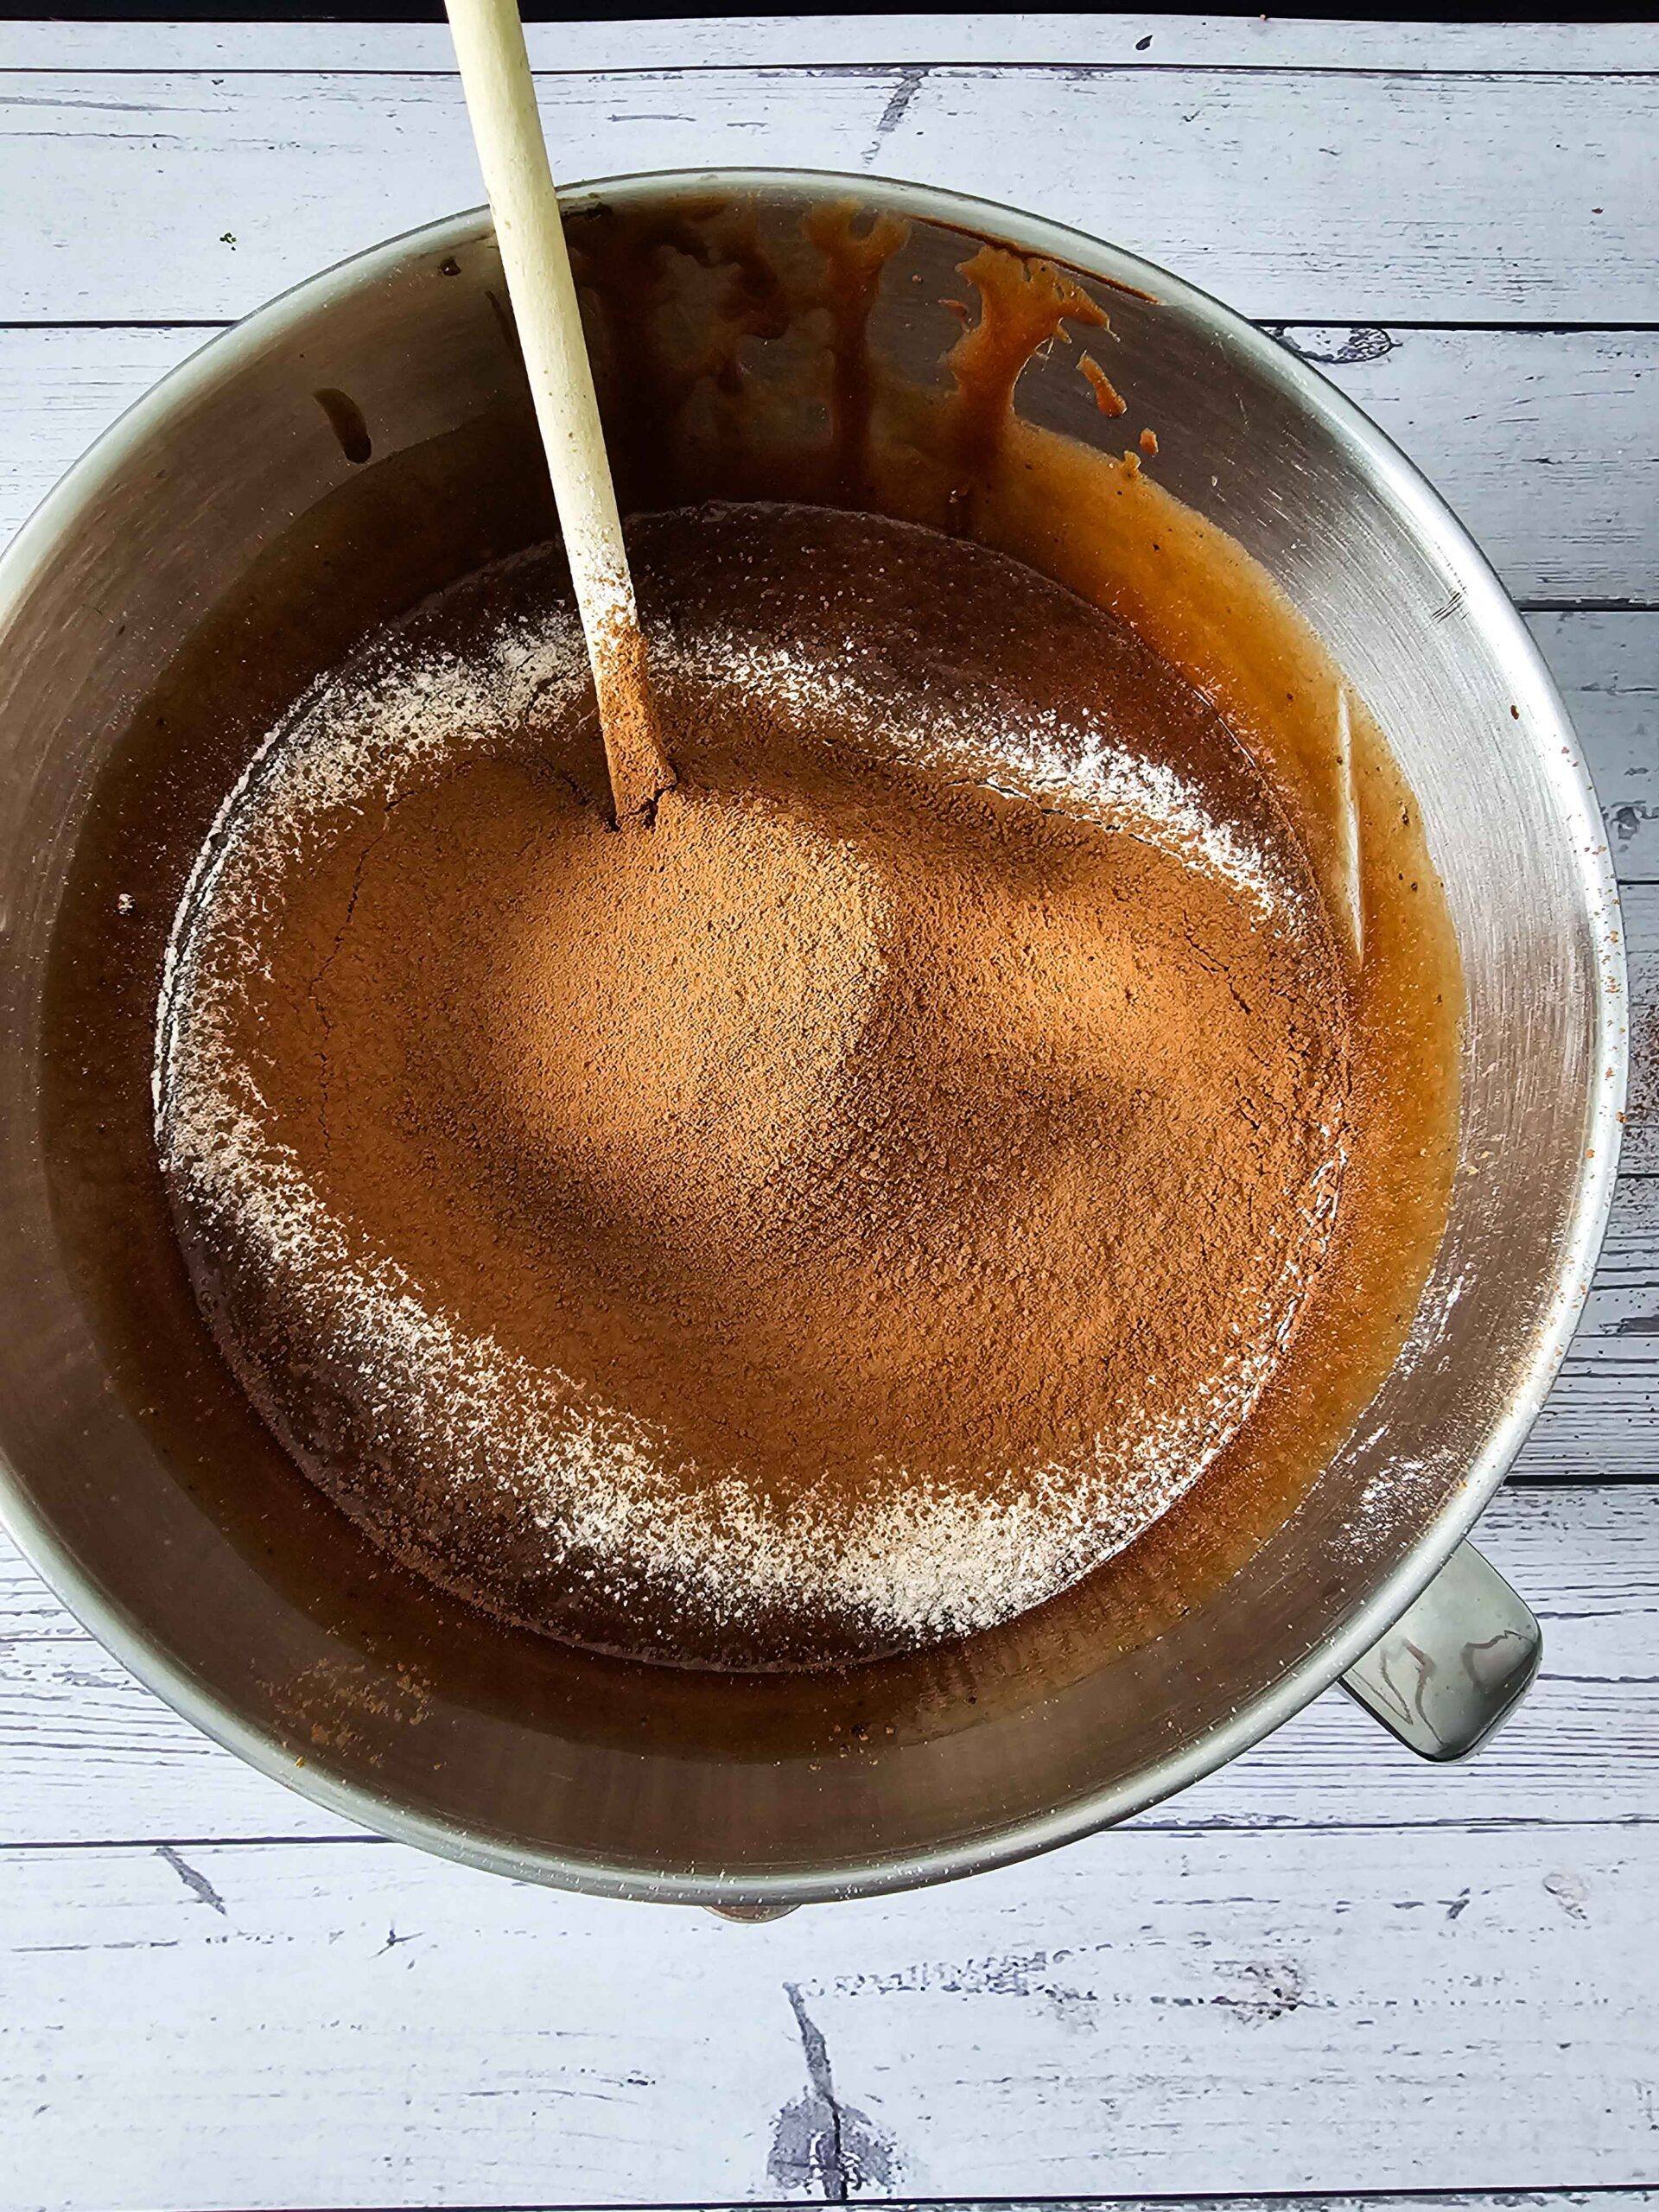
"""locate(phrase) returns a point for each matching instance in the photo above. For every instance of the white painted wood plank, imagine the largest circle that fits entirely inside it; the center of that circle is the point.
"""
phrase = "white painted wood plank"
(1546, 442)
(350, 2025)
(1607, 666)
(87, 1756)
(1640, 902)
(820, 42)
(1602, 1417)
(59, 390)
(1478, 2200)
(1438, 2011)
(1405, 192)
(1299, 194)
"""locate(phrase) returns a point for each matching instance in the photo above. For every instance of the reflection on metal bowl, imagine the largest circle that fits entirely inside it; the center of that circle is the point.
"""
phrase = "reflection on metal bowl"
(356, 445)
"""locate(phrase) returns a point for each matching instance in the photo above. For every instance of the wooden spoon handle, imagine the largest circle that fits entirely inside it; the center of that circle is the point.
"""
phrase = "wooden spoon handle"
(507, 129)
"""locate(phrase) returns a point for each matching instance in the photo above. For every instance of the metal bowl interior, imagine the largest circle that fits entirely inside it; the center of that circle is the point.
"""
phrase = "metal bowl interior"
(217, 550)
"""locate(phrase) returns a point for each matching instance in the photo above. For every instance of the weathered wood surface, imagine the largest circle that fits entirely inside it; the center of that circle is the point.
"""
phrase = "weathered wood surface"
(1097, 40)
(1602, 1417)
(1607, 666)
(1372, 195)
(1328, 1969)
(325, 2025)
(85, 1755)
(1381, 2200)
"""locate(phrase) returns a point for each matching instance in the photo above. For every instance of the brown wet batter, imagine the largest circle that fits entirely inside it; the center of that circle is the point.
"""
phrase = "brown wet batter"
(833, 1219)
(685, 426)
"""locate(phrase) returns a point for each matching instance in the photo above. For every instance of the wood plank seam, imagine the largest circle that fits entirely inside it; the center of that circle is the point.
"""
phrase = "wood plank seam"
(871, 72)
(1431, 2002)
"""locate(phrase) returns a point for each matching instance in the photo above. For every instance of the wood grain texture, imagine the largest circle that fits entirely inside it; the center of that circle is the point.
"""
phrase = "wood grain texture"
(87, 1754)
(1601, 2199)
(1601, 1419)
(1329, 1975)
(328, 2024)
(1545, 442)
(1296, 194)
(1607, 666)
(1640, 1155)
(1097, 40)
(1429, 2200)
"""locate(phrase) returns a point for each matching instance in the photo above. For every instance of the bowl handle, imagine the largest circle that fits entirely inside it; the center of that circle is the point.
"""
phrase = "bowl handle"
(1455, 1662)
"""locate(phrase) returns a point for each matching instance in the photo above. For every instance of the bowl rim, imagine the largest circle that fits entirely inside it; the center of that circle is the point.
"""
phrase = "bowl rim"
(1495, 615)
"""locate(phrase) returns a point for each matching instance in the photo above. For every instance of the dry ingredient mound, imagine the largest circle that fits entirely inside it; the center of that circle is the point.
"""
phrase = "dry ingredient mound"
(830, 1221)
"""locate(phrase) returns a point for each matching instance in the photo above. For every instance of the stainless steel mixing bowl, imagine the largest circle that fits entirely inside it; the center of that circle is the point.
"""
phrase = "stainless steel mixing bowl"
(224, 541)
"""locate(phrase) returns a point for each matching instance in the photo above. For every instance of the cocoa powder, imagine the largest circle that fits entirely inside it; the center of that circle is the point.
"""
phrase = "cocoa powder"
(833, 1220)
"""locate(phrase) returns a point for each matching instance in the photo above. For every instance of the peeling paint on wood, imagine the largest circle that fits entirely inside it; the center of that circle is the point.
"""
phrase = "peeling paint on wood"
(1087, 41)
(1310, 2016)
(1261, 184)
(1328, 1969)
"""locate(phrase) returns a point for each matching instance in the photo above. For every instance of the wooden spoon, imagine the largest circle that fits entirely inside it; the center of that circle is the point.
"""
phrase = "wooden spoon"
(512, 152)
